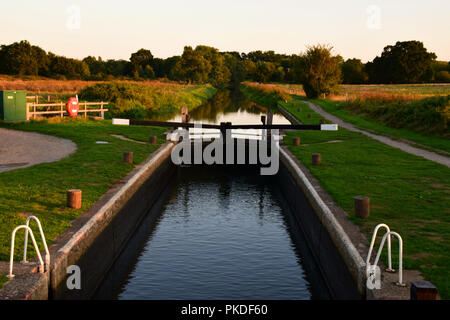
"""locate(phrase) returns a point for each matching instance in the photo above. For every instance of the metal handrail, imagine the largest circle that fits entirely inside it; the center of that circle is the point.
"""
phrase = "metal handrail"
(11, 259)
(47, 253)
(400, 255)
(372, 243)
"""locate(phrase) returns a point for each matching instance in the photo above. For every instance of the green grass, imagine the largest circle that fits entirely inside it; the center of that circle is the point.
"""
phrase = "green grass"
(263, 94)
(409, 193)
(429, 142)
(93, 168)
(3, 280)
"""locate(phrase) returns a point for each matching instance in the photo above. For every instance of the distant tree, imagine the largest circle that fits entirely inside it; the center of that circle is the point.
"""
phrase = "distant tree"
(319, 71)
(219, 75)
(250, 69)
(20, 58)
(442, 76)
(141, 62)
(192, 67)
(264, 71)
(236, 67)
(405, 62)
(353, 72)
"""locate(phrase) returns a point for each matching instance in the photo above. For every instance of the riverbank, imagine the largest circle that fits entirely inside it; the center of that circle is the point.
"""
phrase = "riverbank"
(94, 168)
(408, 193)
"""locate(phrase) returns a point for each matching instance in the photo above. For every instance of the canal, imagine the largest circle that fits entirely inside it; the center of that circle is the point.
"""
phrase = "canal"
(220, 232)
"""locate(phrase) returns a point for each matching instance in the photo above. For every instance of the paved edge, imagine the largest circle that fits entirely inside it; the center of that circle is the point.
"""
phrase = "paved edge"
(70, 245)
(348, 251)
(432, 156)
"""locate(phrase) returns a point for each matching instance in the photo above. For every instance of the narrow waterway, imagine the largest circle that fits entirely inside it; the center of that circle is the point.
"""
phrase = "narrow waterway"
(222, 234)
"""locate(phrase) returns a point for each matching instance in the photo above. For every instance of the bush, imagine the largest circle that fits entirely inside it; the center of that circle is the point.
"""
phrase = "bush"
(319, 71)
(430, 115)
(442, 76)
(146, 99)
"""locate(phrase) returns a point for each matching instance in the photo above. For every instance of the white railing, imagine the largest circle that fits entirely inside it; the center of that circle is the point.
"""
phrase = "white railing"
(387, 235)
(372, 243)
(47, 253)
(11, 259)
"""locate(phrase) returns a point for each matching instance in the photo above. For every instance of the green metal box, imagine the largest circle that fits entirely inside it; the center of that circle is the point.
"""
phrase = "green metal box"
(13, 105)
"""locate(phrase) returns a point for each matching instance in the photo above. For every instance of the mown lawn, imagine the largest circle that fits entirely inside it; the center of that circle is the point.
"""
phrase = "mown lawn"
(3, 280)
(409, 193)
(433, 142)
(93, 168)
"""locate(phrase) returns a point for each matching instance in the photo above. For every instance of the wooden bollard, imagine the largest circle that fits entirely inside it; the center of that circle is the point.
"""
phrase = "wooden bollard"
(362, 207)
(128, 157)
(309, 115)
(152, 140)
(74, 199)
(423, 290)
(299, 110)
(321, 121)
(316, 159)
(296, 141)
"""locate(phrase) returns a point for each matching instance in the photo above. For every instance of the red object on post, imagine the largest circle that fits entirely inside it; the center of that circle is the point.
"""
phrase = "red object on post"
(73, 107)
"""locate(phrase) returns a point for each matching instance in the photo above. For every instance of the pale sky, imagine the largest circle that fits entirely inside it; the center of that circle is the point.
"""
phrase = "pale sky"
(115, 29)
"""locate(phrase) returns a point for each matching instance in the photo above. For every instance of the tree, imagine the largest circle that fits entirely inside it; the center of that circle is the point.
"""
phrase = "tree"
(141, 62)
(353, 72)
(319, 71)
(405, 62)
(236, 67)
(192, 67)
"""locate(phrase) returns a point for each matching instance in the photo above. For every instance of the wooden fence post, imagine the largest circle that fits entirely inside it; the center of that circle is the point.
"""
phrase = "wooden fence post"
(85, 109)
(34, 110)
(62, 112)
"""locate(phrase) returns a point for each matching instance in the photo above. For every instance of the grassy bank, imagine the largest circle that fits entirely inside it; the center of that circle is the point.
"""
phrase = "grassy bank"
(264, 94)
(149, 100)
(408, 193)
(435, 138)
(93, 168)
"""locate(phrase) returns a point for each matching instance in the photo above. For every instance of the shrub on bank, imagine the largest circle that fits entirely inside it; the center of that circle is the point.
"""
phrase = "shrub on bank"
(429, 115)
(140, 101)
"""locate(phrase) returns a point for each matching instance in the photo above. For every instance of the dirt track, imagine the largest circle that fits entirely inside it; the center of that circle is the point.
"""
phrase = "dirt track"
(20, 149)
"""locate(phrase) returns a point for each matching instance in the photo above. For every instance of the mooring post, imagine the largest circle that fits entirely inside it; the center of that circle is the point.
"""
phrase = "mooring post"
(74, 199)
(128, 157)
(296, 141)
(316, 159)
(321, 121)
(152, 140)
(309, 115)
(362, 207)
(423, 290)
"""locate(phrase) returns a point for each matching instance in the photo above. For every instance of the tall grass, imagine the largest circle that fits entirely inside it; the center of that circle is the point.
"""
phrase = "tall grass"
(152, 99)
(265, 94)
(429, 115)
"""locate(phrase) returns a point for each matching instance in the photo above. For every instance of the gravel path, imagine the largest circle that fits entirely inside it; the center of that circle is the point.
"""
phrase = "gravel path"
(393, 143)
(20, 149)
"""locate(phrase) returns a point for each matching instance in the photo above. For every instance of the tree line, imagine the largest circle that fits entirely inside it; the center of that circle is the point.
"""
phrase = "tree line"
(404, 62)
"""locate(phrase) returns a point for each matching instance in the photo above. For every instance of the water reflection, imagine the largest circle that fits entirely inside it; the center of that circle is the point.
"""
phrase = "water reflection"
(230, 106)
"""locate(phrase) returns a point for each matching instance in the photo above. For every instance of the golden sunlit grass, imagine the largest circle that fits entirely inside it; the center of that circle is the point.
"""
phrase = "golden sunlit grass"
(382, 92)
(37, 85)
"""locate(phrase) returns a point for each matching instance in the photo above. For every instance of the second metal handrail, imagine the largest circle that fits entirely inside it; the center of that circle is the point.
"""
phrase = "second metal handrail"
(47, 253)
(400, 255)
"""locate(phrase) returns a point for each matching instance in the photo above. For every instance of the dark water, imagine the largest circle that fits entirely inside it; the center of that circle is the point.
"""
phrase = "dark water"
(229, 106)
(222, 234)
